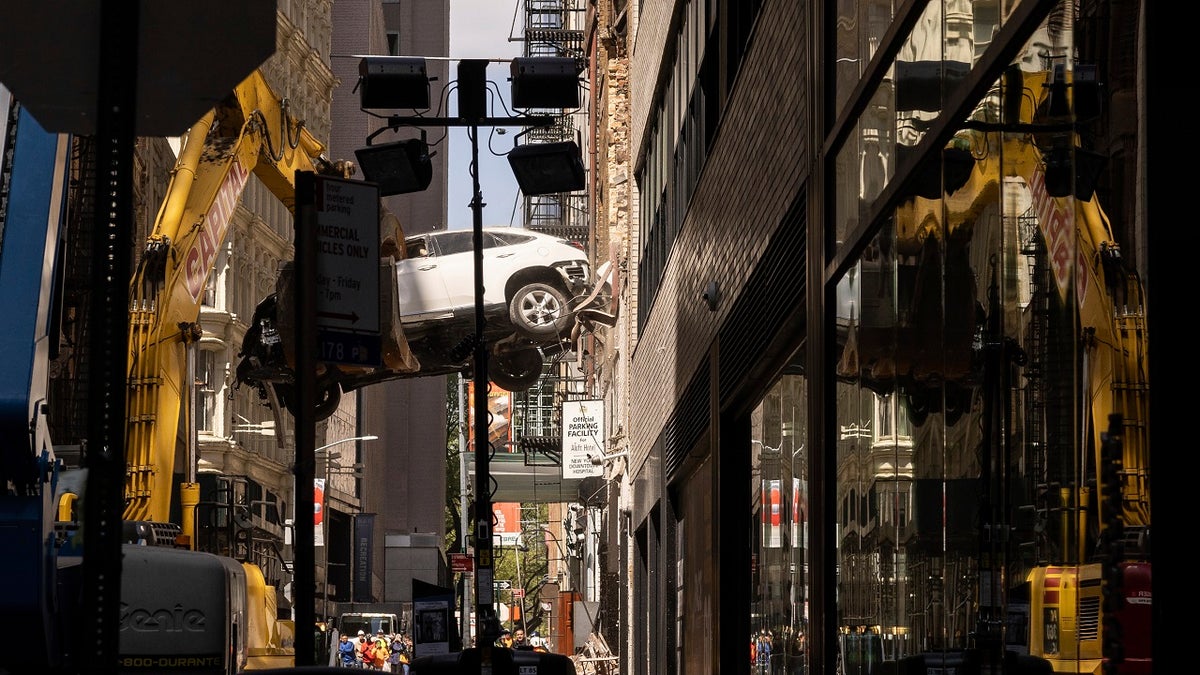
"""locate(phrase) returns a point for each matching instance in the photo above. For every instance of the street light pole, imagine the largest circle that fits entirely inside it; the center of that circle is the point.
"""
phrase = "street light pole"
(325, 517)
(487, 621)
(472, 113)
(465, 534)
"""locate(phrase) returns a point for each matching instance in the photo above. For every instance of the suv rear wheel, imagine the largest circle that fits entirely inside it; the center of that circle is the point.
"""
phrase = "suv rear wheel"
(515, 370)
(536, 309)
(328, 397)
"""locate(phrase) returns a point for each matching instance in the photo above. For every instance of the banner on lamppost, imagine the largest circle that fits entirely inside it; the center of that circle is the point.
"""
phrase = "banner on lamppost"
(364, 549)
(499, 418)
(583, 438)
(507, 519)
(318, 511)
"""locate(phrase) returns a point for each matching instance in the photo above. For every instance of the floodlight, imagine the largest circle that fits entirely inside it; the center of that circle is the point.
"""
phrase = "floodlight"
(1072, 172)
(600, 460)
(393, 82)
(544, 168)
(545, 82)
(922, 85)
(398, 168)
(931, 179)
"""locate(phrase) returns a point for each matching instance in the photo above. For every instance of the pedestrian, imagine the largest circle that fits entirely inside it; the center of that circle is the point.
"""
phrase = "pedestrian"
(505, 639)
(379, 651)
(762, 650)
(346, 652)
(519, 642)
(398, 658)
(360, 642)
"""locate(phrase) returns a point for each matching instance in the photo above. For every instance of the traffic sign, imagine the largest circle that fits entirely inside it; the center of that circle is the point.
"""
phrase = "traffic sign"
(502, 585)
(518, 592)
(347, 302)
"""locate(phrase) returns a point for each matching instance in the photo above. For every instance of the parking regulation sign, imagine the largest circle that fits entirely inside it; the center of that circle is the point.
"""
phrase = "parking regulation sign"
(347, 221)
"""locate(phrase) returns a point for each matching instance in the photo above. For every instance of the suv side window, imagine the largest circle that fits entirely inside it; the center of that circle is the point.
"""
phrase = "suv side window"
(417, 248)
(450, 243)
(512, 238)
(463, 241)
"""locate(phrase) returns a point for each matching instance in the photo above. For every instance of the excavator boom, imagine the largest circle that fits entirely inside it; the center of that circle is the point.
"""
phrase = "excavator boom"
(250, 132)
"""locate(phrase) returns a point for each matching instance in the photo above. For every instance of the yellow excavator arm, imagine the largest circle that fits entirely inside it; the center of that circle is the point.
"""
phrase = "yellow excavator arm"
(1040, 150)
(252, 131)
(1083, 255)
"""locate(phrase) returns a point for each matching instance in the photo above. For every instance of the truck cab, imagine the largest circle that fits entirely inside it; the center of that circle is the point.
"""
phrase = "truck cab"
(370, 623)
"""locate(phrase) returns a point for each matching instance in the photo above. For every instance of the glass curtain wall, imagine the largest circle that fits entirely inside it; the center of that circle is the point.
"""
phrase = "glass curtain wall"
(991, 460)
(987, 334)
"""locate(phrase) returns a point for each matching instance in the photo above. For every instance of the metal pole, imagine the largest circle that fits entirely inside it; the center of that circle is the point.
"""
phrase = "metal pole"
(116, 113)
(521, 585)
(325, 541)
(486, 619)
(463, 496)
(304, 574)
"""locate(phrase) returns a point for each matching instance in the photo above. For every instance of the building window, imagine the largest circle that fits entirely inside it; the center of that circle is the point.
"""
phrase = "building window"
(677, 139)
(206, 390)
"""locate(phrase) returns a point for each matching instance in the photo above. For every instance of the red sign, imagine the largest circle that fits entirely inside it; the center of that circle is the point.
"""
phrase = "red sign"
(518, 592)
(461, 562)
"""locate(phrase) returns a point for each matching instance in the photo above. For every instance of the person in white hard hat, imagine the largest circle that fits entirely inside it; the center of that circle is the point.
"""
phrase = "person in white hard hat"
(359, 643)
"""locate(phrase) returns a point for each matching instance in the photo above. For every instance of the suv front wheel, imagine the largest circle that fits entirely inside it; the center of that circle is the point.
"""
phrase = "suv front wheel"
(536, 310)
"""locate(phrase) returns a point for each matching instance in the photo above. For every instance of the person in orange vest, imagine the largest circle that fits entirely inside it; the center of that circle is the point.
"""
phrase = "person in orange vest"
(505, 639)
(375, 652)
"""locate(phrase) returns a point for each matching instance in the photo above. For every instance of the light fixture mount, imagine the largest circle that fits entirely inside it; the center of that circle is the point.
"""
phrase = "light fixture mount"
(545, 168)
(398, 168)
(393, 82)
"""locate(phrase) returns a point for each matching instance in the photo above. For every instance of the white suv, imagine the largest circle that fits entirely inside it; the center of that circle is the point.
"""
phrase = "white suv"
(530, 281)
(534, 286)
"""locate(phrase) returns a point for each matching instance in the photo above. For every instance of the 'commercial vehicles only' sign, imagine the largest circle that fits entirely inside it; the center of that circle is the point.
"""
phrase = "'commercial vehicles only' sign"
(348, 324)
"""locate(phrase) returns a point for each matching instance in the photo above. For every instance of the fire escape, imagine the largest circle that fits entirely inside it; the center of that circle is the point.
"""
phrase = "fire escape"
(552, 28)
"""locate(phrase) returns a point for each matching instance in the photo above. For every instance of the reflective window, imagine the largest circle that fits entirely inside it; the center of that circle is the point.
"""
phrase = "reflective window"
(985, 338)
(779, 484)
(937, 55)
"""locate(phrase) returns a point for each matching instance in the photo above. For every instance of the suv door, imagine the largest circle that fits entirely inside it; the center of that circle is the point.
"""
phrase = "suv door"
(420, 280)
(458, 268)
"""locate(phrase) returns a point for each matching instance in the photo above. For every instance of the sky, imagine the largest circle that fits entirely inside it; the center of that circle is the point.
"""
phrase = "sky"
(480, 29)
